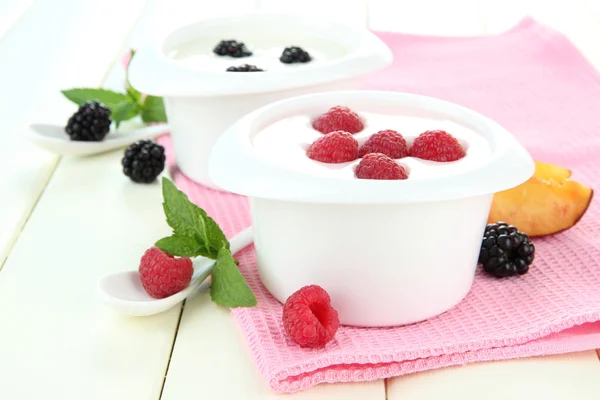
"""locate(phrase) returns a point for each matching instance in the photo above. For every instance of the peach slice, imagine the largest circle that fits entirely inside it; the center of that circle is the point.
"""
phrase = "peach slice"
(549, 202)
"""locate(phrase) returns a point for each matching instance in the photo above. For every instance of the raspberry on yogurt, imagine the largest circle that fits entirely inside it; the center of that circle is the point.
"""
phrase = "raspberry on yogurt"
(338, 118)
(334, 148)
(437, 145)
(387, 142)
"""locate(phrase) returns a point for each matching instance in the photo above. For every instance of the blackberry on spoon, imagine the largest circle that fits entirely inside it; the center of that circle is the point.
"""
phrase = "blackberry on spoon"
(90, 123)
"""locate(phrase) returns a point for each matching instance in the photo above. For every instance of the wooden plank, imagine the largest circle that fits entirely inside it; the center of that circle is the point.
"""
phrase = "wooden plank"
(571, 376)
(211, 355)
(90, 221)
(57, 340)
(40, 57)
(10, 13)
(429, 17)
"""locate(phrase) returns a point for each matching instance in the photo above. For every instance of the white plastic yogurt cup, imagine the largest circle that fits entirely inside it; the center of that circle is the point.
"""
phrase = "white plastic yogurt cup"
(388, 252)
(202, 99)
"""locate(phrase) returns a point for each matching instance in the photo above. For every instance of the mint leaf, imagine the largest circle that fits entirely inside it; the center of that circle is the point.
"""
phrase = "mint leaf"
(181, 246)
(107, 97)
(187, 219)
(124, 111)
(135, 94)
(154, 110)
(228, 287)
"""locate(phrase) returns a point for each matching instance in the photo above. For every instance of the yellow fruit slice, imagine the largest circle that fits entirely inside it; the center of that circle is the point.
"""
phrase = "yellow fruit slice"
(549, 202)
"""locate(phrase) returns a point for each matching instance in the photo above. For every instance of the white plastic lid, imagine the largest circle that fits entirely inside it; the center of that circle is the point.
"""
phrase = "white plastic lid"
(155, 72)
(237, 166)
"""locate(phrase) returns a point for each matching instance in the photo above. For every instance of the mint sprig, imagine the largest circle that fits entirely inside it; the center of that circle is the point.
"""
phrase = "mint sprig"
(197, 234)
(123, 106)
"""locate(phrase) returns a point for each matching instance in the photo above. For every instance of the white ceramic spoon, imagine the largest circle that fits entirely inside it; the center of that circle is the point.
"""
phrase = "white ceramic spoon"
(124, 292)
(54, 138)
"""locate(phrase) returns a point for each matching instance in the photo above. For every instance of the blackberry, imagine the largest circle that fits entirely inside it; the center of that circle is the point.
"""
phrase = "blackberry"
(91, 123)
(245, 68)
(143, 161)
(505, 251)
(294, 54)
(232, 48)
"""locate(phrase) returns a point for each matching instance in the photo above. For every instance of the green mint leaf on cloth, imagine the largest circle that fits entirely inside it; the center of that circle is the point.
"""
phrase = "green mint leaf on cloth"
(107, 97)
(228, 287)
(187, 219)
(180, 246)
(124, 111)
(153, 110)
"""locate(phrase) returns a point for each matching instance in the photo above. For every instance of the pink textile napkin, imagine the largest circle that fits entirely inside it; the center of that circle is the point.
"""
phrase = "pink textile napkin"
(533, 81)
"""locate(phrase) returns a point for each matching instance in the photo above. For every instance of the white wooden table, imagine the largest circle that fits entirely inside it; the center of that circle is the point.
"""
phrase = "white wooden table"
(66, 222)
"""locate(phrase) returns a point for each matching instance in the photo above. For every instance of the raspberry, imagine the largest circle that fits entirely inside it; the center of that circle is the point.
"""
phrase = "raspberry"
(387, 142)
(308, 317)
(162, 274)
(338, 118)
(505, 251)
(437, 145)
(379, 166)
(294, 54)
(334, 148)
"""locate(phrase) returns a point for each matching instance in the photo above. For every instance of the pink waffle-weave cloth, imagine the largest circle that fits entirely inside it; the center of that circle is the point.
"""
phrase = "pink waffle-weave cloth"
(533, 81)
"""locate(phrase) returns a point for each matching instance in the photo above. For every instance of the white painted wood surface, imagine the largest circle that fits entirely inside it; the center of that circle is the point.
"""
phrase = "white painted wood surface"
(57, 342)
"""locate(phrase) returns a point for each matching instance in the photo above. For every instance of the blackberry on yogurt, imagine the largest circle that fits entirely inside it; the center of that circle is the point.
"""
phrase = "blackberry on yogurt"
(244, 68)
(294, 54)
(232, 48)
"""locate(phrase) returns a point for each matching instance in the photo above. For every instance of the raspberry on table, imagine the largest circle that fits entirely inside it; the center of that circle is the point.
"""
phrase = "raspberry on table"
(379, 166)
(232, 48)
(90, 123)
(388, 142)
(308, 317)
(143, 161)
(244, 68)
(437, 145)
(163, 275)
(334, 148)
(338, 118)
(505, 251)
(294, 54)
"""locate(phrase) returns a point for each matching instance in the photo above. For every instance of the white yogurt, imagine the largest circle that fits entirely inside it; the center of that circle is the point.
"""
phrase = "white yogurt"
(265, 53)
(285, 142)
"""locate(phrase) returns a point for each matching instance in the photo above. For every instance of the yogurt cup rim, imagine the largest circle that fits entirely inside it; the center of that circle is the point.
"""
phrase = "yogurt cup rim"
(154, 72)
(236, 166)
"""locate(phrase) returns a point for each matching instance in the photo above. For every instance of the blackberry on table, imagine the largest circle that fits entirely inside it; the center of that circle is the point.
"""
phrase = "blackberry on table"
(143, 161)
(505, 251)
(90, 123)
(232, 48)
(244, 68)
(294, 54)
